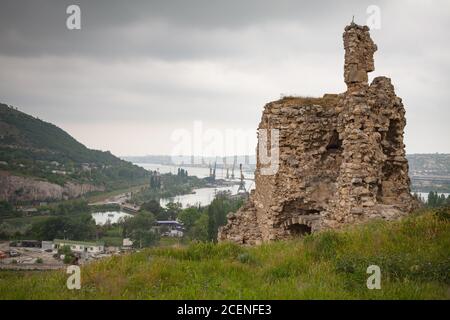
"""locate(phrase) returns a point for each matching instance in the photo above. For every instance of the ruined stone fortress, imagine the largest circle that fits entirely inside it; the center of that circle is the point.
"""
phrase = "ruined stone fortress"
(341, 157)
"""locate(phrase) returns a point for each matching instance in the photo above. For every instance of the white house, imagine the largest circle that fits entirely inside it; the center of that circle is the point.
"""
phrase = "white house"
(127, 243)
(175, 233)
(80, 246)
(47, 245)
(171, 228)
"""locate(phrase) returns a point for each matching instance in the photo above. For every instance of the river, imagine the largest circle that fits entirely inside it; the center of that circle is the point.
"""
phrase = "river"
(202, 196)
(102, 218)
(205, 196)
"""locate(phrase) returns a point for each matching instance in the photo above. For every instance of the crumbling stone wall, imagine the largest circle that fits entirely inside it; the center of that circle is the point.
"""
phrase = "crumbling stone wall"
(342, 157)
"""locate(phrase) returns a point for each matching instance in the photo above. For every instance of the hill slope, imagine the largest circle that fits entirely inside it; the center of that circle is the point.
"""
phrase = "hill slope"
(32, 148)
(413, 255)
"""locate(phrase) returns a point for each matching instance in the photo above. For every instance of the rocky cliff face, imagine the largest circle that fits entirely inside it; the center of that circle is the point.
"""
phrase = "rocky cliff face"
(16, 188)
(341, 157)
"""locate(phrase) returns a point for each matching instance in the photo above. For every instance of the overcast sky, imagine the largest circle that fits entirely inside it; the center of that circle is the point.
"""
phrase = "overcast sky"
(138, 71)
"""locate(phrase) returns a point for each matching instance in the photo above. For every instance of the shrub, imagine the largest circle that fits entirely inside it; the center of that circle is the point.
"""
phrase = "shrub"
(69, 259)
(324, 245)
(244, 257)
(443, 214)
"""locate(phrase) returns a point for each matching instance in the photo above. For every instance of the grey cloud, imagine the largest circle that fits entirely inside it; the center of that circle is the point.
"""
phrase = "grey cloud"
(167, 29)
(165, 64)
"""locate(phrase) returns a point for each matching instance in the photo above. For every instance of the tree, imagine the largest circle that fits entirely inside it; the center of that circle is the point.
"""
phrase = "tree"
(199, 230)
(6, 207)
(152, 206)
(182, 172)
(69, 256)
(217, 212)
(79, 227)
(432, 199)
(141, 229)
(72, 207)
(144, 238)
(435, 200)
(188, 217)
(172, 210)
(442, 200)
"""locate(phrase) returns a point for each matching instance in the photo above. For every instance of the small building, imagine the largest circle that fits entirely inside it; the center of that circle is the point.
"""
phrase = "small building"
(61, 172)
(47, 245)
(170, 228)
(80, 246)
(127, 243)
(130, 207)
(112, 250)
(28, 210)
(25, 243)
(86, 167)
(175, 233)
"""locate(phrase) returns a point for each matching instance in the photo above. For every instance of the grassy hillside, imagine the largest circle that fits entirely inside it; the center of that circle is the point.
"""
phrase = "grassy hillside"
(414, 256)
(32, 147)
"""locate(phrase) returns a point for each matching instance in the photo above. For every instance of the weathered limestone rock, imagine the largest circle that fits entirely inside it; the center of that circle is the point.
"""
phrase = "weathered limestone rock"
(342, 157)
(18, 188)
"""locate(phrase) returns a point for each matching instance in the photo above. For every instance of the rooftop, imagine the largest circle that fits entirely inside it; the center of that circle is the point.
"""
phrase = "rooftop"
(86, 243)
(168, 222)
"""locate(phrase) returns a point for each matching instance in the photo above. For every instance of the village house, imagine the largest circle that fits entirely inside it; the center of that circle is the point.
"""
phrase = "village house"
(170, 228)
(47, 245)
(127, 243)
(80, 246)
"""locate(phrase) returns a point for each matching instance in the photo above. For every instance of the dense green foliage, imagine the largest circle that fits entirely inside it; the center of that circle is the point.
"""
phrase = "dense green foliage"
(73, 215)
(32, 147)
(69, 256)
(76, 227)
(413, 255)
(140, 229)
(203, 223)
(5, 207)
(436, 200)
(67, 207)
(7, 210)
(217, 213)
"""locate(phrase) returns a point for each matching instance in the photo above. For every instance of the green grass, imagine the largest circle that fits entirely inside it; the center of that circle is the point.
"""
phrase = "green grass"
(21, 221)
(170, 241)
(112, 241)
(413, 254)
